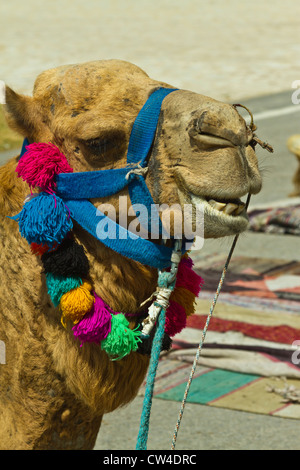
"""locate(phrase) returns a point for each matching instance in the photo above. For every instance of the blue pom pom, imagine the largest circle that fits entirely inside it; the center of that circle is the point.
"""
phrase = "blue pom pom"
(44, 220)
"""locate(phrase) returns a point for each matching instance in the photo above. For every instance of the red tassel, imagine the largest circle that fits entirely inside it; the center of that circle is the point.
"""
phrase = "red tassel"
(188, 278)
(182, 300)
(175, 318)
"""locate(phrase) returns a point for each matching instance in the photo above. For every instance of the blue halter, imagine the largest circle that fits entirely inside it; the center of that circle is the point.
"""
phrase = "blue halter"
(77, 188)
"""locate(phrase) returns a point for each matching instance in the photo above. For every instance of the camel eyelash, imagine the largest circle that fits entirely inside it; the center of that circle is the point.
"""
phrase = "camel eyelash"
(97, 144)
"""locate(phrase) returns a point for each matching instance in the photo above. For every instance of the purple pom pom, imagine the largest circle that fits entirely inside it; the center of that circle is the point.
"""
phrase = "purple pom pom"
(96, 324)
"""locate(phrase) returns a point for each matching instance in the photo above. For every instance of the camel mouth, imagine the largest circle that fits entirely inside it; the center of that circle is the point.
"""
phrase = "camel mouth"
(232, 208)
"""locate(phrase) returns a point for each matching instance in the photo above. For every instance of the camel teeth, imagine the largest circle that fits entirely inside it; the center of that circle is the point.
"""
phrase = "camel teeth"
(230, 208)
(239, 209)
(219, 206)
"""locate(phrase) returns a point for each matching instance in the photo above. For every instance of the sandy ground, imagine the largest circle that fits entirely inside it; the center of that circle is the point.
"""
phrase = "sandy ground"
(224, 49)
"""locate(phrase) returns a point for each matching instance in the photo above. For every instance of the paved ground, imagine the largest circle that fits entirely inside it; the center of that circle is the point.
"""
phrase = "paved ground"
(227, 50)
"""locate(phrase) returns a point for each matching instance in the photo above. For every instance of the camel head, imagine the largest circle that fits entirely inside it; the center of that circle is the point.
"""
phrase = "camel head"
(203, 150)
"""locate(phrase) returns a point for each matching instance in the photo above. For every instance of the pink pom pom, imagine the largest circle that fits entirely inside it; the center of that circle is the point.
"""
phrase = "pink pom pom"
(187, 278)
(96, 324)
(40, 164)
(175, 318)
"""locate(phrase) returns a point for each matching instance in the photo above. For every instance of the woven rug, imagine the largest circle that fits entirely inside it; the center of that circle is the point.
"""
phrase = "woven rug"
(248, 361)
(226, 389)
(282, 217)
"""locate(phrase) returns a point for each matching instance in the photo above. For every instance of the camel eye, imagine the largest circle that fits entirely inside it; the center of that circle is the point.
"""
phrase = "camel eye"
(98, 146)
(108, 145)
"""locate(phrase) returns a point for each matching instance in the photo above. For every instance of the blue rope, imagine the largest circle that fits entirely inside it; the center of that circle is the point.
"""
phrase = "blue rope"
(168, 280)
(155, 353)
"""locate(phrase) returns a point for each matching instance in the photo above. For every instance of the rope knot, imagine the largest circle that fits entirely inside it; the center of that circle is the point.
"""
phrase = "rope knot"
(138, 171)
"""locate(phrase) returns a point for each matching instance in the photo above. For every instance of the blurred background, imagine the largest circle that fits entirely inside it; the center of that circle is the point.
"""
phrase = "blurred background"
(228, 50)
(234, 51)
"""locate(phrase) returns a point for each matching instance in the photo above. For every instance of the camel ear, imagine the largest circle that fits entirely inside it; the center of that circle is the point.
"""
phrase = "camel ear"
(21, 112)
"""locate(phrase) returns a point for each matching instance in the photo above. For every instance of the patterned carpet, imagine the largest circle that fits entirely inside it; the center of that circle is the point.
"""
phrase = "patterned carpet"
(248, 361)
(282, 217)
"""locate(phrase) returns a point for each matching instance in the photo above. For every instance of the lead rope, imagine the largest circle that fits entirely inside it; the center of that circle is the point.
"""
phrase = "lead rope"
(204, 335)
(157, 314)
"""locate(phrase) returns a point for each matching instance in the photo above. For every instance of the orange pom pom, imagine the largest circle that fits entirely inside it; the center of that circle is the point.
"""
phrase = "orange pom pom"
(76, 303)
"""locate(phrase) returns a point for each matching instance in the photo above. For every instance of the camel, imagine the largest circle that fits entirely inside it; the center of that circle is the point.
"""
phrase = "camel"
(54, 390)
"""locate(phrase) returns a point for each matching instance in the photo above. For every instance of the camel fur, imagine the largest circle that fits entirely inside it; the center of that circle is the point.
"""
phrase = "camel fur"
(54, 392)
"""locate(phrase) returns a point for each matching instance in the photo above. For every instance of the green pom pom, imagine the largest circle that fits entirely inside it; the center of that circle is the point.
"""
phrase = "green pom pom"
(121, 339)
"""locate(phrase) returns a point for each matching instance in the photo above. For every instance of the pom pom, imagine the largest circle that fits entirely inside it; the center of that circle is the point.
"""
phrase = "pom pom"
(185, 298)
(68, 260)
(121, 339)
(175, 318)
(76, 303)
(187, 278)
(40, 164)
(44, 220)
(96, 324)
(59, 285)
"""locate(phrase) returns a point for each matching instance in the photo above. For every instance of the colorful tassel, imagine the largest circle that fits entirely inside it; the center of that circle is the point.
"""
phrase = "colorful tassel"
(40, 165)
(187, 261)
(96, 324)
(185, 298)
(44, 220)
(182, 300)
(175, 318)
(76, 303)
(188, 278)
(59, 285)
(121, 339)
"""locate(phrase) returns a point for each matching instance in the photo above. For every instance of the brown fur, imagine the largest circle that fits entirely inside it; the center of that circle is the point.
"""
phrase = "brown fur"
(54, 392)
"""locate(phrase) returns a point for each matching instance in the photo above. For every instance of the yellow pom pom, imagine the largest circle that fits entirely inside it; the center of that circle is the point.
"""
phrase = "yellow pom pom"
(76, 303)
(185, 298)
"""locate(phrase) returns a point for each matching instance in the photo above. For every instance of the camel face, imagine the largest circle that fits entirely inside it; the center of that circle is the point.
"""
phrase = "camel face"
(201, 153)
(214, 164)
